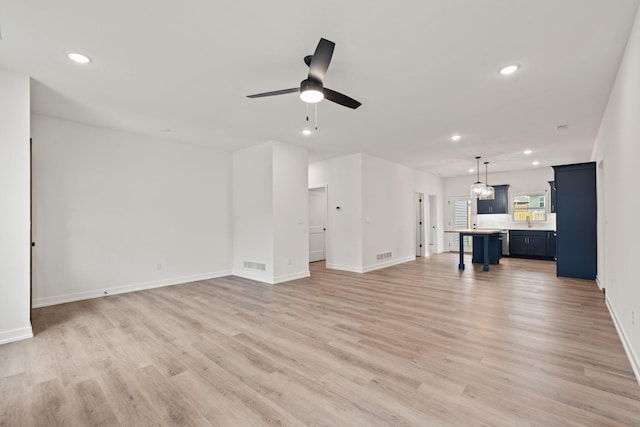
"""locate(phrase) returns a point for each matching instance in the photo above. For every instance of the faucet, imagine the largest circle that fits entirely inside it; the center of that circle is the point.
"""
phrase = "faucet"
(528, 221)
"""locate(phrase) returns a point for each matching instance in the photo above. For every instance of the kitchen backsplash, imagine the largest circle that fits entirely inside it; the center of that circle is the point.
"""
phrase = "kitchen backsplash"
(505, 222)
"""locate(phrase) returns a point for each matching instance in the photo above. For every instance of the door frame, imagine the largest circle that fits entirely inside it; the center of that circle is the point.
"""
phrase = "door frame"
(432, 224)
(326, 208)
(418, 224)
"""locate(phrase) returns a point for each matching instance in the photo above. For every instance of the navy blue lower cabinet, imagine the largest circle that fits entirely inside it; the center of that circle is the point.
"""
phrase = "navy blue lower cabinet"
(576, 220)
(495, 250)
(531, 244)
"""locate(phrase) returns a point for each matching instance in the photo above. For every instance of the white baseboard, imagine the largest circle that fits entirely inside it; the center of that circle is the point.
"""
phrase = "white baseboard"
(388, 264)
(16, 335)
(631, 355)
(258, 277)
(77, 296)
(264, 278)
(290, 277)
(345, 268)
(599, 283)
(373, 267)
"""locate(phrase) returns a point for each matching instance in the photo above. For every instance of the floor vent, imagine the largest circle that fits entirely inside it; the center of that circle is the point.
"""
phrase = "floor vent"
(383, 255)
(255, 265)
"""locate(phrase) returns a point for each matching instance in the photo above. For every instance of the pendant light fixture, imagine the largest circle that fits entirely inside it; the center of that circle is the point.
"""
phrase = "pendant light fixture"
(489, 193)
(477, 188)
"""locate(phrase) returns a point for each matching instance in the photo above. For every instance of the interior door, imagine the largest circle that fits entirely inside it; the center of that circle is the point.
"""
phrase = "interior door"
(317, 224)
(419, 223)
(433, 224)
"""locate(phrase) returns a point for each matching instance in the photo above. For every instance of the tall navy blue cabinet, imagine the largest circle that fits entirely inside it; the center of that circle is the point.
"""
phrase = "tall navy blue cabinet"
(576, 216)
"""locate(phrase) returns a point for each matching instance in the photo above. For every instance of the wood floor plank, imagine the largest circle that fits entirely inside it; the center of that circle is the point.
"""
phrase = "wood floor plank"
(175, 410)
(48, 404)
(14, 409)
(129, 403)
(417, 344)
(89, 406)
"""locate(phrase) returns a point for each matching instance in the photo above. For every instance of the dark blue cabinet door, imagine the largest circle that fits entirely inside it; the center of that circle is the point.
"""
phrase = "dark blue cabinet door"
(576, 210)
(551, 245)
(484, 206)
(537, 245)
(517, 244)
(501, 202)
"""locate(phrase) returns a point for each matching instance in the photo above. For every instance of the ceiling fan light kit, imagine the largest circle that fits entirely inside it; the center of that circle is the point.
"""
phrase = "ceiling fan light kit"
(311, 91)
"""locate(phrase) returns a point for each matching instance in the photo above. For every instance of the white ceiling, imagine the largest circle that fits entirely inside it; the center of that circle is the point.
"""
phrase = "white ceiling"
(423, 69)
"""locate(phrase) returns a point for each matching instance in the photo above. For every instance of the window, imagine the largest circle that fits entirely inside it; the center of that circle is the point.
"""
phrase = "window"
(529, 208)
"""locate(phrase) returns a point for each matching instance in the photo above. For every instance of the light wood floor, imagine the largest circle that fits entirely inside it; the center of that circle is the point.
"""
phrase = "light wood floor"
(418, 344)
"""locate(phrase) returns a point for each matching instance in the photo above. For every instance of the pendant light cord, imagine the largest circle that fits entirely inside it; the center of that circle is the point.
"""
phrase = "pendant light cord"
(486, 174)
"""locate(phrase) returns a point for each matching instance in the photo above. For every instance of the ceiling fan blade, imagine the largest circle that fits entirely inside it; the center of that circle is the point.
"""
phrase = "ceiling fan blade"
(321, 59)
(341, 99)
(275, 92)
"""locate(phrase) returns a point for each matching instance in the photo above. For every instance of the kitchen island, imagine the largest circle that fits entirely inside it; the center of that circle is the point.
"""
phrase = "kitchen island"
(486, 234)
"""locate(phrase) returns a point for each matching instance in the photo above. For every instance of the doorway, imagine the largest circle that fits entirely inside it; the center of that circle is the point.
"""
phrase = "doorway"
(317, 224)
(419, 223)
(459, 219)
(432, 224)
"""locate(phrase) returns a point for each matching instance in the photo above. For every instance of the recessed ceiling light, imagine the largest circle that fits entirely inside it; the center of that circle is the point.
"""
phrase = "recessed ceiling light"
(509, 69)
(536, 163)
(527, 152)
(456, 137)
(78, 57)
(306, 132)
(471, 170)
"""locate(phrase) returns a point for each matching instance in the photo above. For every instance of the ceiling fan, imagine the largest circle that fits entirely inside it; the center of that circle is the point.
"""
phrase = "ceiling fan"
(311, 89)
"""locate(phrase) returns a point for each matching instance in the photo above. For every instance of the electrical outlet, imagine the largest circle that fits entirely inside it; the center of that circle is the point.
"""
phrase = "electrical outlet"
(158, 267)
(289, 261)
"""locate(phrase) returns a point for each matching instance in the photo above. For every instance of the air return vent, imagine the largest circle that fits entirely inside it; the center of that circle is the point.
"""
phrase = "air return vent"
(255, 266)
(383, 256)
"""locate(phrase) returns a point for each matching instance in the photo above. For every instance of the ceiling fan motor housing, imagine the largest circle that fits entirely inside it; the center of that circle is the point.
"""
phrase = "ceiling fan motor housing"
(310, 84)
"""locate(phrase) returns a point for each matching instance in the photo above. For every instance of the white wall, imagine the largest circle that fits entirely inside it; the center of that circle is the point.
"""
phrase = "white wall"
(14, 211)
(387, 211)
(617, 150)
(343, 178)
(290, 212)
(115, 212)
(270, 206)
(253, 211)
